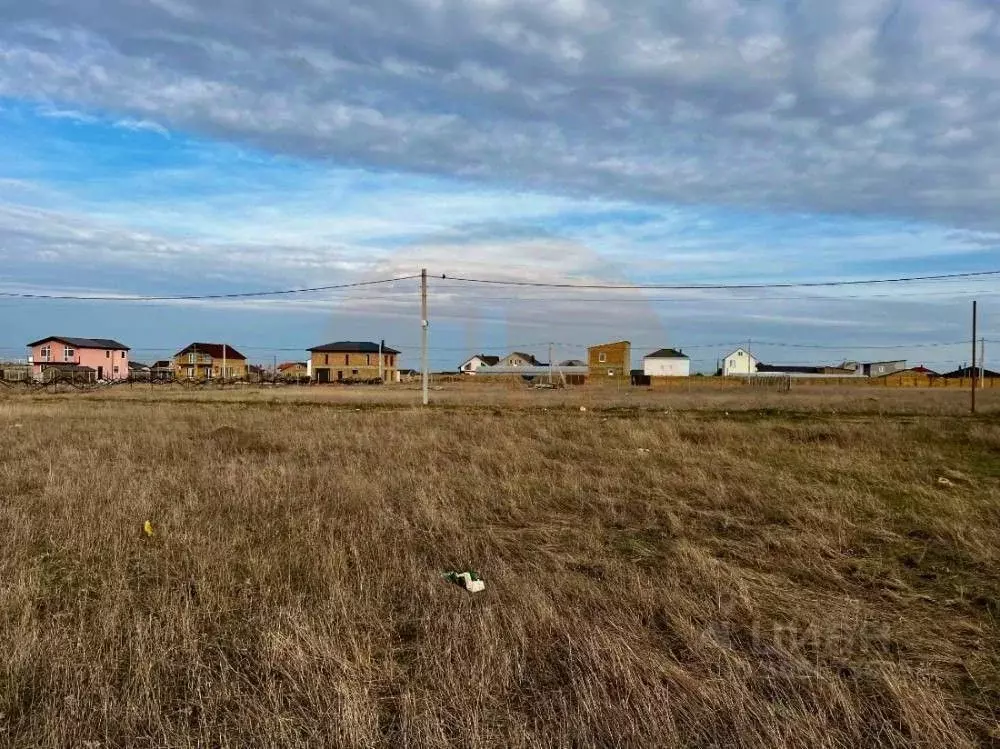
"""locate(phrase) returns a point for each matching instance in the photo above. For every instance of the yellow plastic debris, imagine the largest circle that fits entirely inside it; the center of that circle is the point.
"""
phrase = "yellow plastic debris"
(148, 527)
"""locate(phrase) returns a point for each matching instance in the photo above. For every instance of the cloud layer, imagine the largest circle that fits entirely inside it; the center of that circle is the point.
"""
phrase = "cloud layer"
(860, 106)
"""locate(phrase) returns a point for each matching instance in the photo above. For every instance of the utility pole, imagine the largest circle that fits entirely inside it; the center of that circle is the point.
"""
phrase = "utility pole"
(550, 364)
(749, 365)
(973, 373)
(223, 362)
(982, 362)
(381, 345)
(423, 333)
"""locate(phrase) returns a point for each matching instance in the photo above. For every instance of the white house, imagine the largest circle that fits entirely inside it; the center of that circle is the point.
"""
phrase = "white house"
(666, 362)
(474, 363)
(740, 362)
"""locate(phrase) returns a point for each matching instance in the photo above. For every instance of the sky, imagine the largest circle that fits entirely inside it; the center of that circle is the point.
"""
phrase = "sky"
(167, 147)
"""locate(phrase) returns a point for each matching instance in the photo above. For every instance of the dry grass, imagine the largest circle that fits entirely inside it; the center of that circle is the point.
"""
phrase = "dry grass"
(761, 579)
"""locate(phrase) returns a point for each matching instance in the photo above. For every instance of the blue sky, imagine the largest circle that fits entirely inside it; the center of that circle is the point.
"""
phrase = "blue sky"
(173, 149)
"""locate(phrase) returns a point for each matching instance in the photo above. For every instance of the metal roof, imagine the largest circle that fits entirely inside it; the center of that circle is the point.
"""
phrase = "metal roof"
(352, 347)
(98, 343)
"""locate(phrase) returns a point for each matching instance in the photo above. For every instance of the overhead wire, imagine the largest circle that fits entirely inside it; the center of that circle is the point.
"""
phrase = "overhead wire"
(194, 297)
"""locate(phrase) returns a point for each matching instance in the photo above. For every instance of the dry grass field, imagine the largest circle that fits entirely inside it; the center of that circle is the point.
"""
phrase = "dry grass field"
(804, 570)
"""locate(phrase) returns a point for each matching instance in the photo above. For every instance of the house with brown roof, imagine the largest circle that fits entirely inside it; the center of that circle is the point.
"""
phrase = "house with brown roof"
(82, 358)
(293, 370)
(518, 359)
(353, 361)
(209, 361)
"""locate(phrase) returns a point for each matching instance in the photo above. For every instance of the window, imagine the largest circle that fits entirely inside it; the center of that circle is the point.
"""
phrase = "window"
(190, 371)
(739, 353)
(354, 371)
(326, 358)
(368, 359)
(46, 353)
(602, 357)
(107, 354)
(611, 373)
(191, 358)
(123, 354)
(68, 354)
(347, 359)
(116, 369)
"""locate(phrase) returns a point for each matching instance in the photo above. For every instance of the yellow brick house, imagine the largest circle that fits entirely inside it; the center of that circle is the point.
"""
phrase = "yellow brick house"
(352, 361)
(608, 362)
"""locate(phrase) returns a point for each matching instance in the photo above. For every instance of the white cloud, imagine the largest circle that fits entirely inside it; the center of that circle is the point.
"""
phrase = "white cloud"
(763, 104)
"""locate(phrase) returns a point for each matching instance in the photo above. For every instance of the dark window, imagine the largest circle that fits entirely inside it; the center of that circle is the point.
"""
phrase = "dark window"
(347, 359)
(107, 354)
(123, 354)
(354, 371)
(326, 358)
(368, 359)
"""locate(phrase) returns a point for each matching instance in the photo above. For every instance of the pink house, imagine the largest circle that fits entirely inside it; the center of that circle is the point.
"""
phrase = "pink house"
(97, 358)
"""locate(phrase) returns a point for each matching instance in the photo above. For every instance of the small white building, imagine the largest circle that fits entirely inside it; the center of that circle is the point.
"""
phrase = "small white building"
(474, 363)
(739, 362)
(666, 362)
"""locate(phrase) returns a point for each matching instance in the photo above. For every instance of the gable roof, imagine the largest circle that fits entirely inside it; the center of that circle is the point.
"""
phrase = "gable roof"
(215, 350)
(98, 343)
(572, 363)
(290, 365)
(487, 359)
(737, 350)
(352, 347)
(666, 353)
(530, 358)
(969, 372)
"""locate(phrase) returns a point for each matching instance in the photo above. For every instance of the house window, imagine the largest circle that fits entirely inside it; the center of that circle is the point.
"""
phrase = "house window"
(739, 353)
(347, 359)
(191, 358)
(123, 354)
(46, 353)
(116, 369)
(107, 354)
(611, 373)
(354, 371)
(68, 354)
(326, 358)
(602, 357)
(190, 371)
(368, 359)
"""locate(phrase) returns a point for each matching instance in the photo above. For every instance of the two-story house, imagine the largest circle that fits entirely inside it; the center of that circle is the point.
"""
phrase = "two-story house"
(518, 359)
(209, 361)
(106, 357)
(739, 362)
(474, 363)
(293, 370)
(609, 361)
(353, 360)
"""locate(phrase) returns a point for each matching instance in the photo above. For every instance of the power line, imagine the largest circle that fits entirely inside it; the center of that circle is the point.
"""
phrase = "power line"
(696, 287)
(193, 297)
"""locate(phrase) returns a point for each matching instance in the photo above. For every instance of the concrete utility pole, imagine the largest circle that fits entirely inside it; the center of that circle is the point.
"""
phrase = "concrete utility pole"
(223, 361)
(381, 345)
(550, 364)
(423, 333)
(973, 372)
